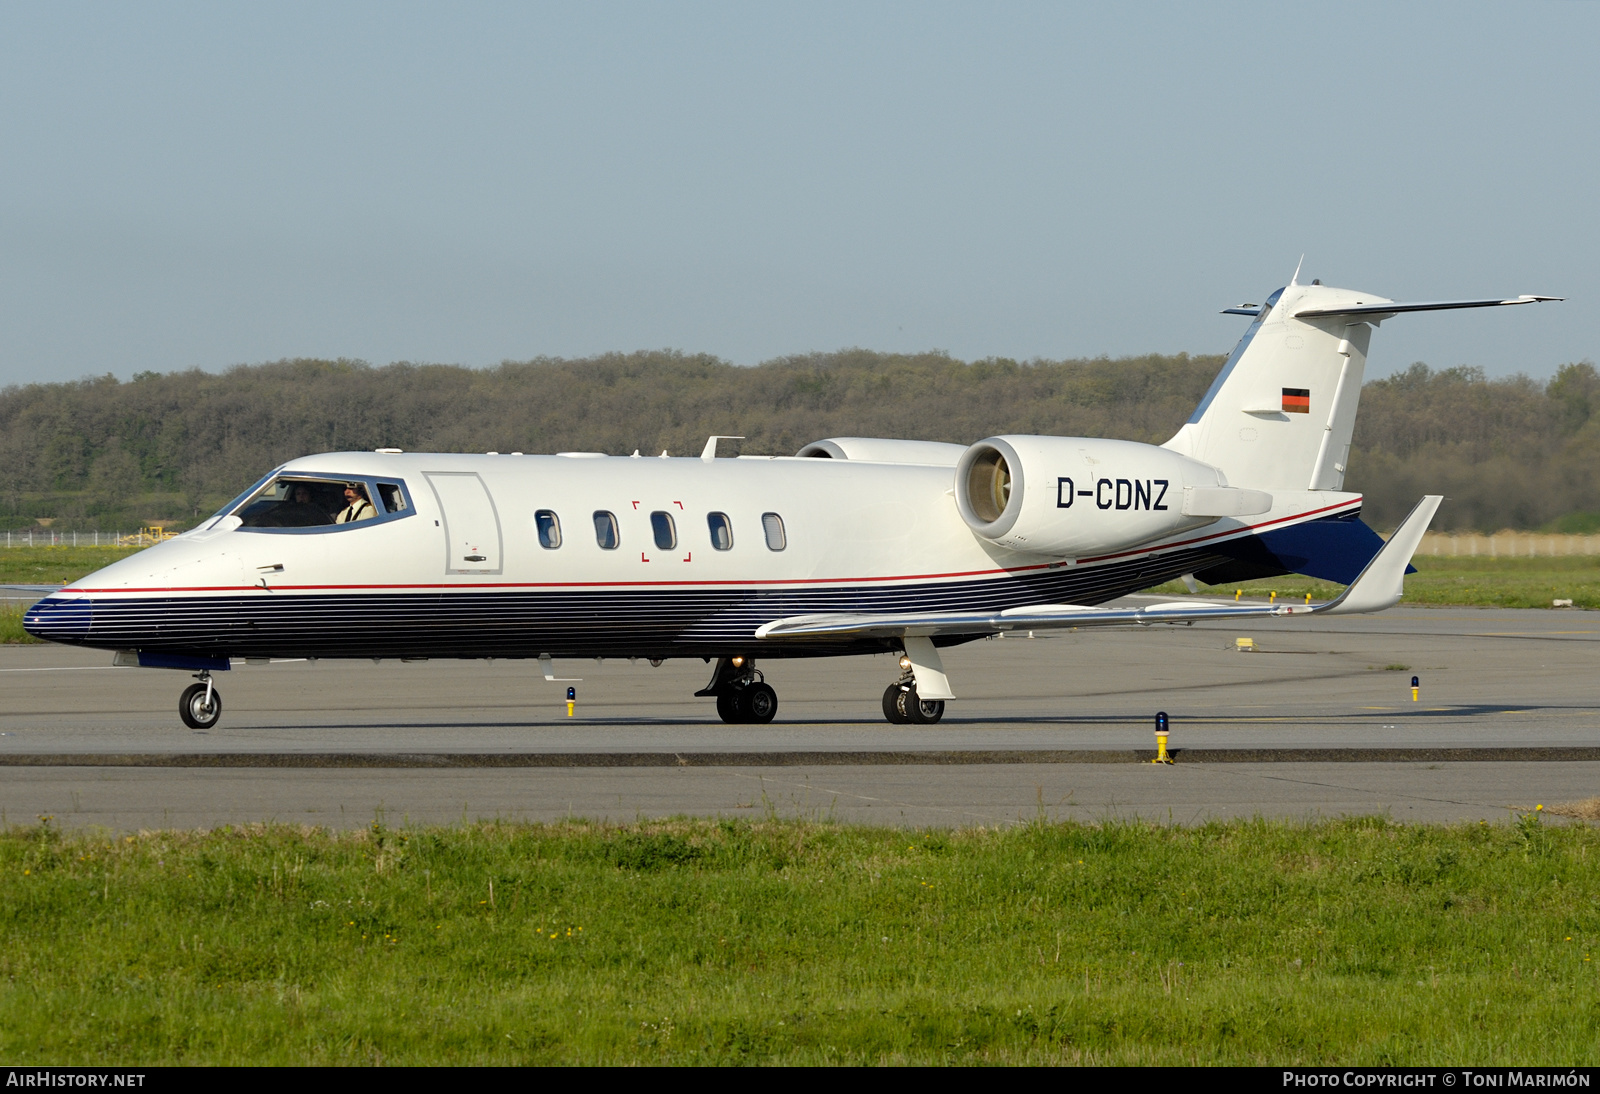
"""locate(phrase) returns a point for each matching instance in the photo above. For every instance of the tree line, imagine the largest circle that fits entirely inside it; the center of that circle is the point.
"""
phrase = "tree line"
(100, 453)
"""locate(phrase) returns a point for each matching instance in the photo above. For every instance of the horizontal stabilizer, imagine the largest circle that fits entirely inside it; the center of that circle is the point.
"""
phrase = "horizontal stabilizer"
(1395, 308)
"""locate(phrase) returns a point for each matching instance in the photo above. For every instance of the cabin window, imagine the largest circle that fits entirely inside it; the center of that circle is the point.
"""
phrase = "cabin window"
(394, 498)
(772, 525)
(721, 531)
(549, 526)
(666, 532)
(605, 530)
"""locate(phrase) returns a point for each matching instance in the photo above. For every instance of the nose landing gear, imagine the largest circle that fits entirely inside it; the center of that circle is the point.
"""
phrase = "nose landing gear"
(743, 697)
(201, 704)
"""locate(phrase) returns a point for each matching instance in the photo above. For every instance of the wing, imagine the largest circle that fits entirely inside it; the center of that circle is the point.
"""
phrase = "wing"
(1378, 586)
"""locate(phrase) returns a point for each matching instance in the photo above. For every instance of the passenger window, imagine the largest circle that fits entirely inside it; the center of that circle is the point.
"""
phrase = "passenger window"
(605, 530)
(665, 531)
(394, 498)
(772, 525)
(550, 528)
(721, 531)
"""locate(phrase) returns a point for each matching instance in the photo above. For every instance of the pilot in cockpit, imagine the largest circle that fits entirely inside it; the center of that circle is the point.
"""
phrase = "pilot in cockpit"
(298, 509)
(359, 507)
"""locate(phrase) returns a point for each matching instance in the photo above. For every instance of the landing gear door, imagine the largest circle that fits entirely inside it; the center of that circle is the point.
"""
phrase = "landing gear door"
(471, 525)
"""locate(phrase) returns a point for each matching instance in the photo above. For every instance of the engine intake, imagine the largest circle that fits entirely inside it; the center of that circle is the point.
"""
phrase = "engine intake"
(1073, 496)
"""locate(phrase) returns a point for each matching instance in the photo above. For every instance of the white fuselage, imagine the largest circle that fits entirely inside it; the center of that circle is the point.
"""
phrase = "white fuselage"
(461, 571)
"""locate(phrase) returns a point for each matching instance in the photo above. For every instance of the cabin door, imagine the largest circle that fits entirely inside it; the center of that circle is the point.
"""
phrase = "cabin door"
(471, 525)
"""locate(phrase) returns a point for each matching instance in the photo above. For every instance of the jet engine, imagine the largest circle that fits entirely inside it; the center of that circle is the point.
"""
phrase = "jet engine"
(1075, 496)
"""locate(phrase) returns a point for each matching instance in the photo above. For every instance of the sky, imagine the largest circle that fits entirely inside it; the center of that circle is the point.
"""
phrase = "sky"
(204, 185)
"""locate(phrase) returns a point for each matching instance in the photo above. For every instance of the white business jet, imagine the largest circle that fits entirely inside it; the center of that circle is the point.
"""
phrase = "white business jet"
(852, 546)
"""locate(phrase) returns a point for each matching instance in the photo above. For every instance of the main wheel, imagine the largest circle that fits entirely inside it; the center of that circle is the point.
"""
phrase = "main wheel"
(917, 710)
(193, 710)
(891, 705)
(728, 708)
(758, 703)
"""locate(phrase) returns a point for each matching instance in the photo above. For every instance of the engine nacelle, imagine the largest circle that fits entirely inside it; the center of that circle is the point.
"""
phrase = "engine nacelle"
(1075, 496)
(884, 450)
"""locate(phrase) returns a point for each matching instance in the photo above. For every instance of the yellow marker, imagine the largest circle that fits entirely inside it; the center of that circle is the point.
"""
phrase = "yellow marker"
(1273, 599)
(1416, 685)
(1244, 645)
(1237, 593)
(572, 700)
(1161, 740)
(1308, 598)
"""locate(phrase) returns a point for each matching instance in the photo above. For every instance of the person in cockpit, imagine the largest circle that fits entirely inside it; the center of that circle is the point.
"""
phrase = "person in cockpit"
(359, 507)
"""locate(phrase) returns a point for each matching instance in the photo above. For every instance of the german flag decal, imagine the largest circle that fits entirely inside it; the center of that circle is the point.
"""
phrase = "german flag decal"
(1297, 400)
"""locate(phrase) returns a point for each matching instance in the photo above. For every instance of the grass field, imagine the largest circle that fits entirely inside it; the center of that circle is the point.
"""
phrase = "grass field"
(47, 566)
(1350, 942)
(1477, 582)
(1473, 582)
(56, 565)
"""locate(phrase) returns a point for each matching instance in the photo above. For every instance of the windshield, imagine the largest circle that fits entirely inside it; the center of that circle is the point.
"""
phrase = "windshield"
(310, 501)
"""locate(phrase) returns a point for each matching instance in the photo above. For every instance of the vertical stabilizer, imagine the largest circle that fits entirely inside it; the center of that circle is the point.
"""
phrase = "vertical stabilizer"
(1280, 414)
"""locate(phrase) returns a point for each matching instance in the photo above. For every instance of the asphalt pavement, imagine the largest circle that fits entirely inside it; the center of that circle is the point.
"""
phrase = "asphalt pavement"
(1318, 720)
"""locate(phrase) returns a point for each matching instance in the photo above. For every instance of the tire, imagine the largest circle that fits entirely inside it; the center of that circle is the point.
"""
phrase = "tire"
(758, 703)
(917, 710)
(891, 705)
(728, 708)
(192, 708)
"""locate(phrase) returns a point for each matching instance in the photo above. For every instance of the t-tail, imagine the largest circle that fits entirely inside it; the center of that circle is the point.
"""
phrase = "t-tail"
(1280, 414)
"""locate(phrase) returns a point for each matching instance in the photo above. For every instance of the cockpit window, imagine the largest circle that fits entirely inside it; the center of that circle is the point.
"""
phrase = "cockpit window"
(306, 501)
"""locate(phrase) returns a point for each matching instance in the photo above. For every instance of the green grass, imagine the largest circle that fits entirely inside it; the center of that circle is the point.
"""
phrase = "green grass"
(11, 626)
(55, 565)
(1348, 942)
(47, 566)
(1473, 582)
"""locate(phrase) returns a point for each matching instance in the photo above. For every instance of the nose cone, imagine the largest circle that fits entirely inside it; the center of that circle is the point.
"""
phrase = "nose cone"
(59, 619)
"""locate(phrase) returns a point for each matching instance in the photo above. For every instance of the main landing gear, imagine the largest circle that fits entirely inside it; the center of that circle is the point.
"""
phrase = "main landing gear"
(743, 697)
(902, 705)
(201, 704)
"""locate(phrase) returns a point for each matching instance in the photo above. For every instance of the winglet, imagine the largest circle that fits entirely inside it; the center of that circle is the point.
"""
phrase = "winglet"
(1382, 583)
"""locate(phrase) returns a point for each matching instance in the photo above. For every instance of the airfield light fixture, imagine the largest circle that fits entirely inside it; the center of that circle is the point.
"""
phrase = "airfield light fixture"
(1161, 739)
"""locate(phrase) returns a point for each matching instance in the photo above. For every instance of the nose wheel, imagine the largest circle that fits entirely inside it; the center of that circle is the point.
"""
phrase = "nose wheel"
(201, 704)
